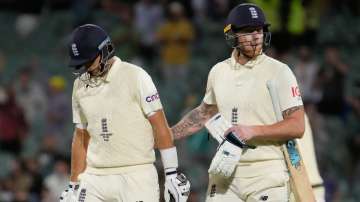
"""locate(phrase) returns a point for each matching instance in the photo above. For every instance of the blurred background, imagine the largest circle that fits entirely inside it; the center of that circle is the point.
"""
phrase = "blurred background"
(177, 42)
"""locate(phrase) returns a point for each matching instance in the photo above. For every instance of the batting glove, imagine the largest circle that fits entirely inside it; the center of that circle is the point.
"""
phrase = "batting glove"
(225, 159)
(177, 186)
(69, 195)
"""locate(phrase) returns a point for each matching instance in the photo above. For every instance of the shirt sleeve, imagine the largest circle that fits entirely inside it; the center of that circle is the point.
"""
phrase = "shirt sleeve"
(148, 95)
(209, 97)
(78, 115)
(288, 89)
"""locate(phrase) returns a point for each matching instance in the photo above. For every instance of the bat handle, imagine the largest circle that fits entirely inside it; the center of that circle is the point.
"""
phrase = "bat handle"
(234, 139)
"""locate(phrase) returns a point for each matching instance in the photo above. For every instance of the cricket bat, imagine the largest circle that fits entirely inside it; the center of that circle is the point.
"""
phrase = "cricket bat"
(299, 180)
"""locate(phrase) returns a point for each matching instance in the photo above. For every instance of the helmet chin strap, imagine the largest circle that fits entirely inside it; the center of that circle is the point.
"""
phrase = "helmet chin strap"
(95, 79)
(104, 65)
(231, 39)
(102, 69)
(107, 52)
(240, 47)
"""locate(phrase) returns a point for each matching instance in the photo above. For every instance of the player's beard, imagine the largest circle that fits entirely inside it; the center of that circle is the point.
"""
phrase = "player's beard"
(250, 49)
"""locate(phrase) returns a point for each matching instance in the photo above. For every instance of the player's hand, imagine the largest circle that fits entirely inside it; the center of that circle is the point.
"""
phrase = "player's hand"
(177, 186)
(69, 195)
(221, 130)
(245, 133)
(225, 159)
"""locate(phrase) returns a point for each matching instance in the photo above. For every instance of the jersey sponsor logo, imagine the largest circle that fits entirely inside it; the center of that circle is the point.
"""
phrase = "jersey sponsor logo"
(152, 98)
(253, 12)
(74, 49)
(295, 91)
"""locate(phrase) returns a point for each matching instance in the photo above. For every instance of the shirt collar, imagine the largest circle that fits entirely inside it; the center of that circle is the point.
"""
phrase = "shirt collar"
(250, 64)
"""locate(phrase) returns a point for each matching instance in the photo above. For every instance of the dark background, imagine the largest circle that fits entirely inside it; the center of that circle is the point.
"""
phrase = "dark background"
(318, 39)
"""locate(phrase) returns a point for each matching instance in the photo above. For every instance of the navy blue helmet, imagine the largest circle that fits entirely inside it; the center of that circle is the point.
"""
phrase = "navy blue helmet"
(242, 16)
(87, 42)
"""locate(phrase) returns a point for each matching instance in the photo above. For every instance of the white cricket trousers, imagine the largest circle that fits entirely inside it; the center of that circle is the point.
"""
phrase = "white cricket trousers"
(137, 186)
(272, 187)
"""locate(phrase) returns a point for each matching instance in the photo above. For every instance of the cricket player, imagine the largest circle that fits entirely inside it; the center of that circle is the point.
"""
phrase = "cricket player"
(118, 120)
(236, 88)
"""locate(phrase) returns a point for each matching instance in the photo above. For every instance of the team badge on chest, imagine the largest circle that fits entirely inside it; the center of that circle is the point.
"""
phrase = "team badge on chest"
(105, 133)
(234, 116)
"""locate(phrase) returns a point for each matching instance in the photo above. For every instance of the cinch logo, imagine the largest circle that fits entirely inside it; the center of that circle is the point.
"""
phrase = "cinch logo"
(295, 91)
(74, 49)
(152, 97)
(253, 12)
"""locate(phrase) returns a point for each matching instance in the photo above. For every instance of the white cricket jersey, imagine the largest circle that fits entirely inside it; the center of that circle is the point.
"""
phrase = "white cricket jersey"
(115, 114)
(241, 95)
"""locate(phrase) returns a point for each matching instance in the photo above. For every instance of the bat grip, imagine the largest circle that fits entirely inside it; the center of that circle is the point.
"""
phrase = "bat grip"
(235, 140)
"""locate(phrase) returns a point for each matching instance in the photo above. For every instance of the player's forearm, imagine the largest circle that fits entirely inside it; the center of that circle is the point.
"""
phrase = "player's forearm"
(163, 138)
(293, 126)
(78, 153)
(194, 121)
(282, 131)
(162, 133)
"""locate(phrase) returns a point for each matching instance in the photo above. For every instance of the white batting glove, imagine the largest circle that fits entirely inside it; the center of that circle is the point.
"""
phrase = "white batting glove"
(69, 195)
(217, 126)
(177, 186)
(225, 159)
(227, 155)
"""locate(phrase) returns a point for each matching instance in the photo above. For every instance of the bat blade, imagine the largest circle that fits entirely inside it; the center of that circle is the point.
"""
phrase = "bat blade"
(300, 183)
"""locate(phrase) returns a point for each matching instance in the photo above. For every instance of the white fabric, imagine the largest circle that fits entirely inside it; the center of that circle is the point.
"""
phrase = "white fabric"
(307, 150)
(272, 187)
(241, 95)
(287, 88)
(150, 114)
(225, 160)
(169, 158)
(81, 125)
(138, 184)
(115, 112)
(319, 193)
(217, 126)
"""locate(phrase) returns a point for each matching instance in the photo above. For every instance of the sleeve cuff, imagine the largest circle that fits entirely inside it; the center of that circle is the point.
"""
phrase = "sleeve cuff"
(81, 125)
(169, 158)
